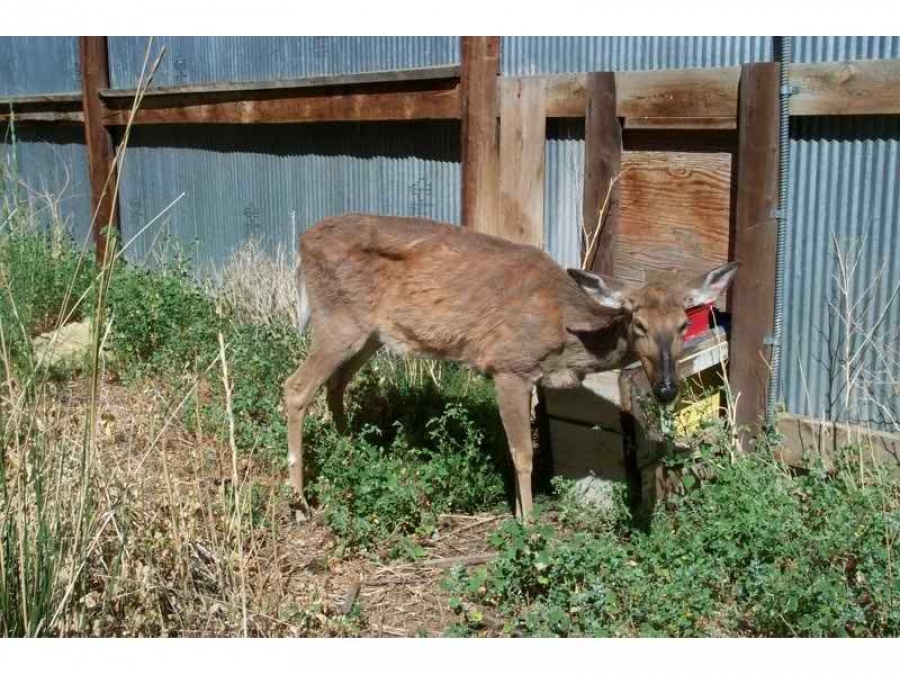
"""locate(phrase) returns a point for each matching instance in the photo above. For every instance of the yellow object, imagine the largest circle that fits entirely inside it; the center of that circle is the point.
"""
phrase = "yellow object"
(699, 401)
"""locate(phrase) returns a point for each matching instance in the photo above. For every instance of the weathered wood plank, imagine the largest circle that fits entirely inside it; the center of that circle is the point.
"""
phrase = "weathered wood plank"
(307, 105)
(848, 88)
(523, 129)
(602, 163)
(691, 123)
(479, 108)
(807, 438)
(71, 117)
(753, 291)
(94, 77)
(211, 89)
(67, 97)
(675, 211)
(688, 93)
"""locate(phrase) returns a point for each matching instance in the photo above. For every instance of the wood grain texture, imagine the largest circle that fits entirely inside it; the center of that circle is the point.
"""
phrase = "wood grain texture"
(65, 117)
(94, 77)
(687, 93)
(479, 140)
(674, 218)
(402, 101)
(523, 130)
(680, 123)
(849, 88)
(323, 81)
(602, 163)
(753, 291)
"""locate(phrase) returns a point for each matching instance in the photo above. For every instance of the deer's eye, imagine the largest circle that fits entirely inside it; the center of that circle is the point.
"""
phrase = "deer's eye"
(683, 327)
(640, 328)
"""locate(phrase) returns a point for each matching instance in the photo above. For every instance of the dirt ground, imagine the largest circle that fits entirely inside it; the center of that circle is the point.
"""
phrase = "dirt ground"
(297, 579)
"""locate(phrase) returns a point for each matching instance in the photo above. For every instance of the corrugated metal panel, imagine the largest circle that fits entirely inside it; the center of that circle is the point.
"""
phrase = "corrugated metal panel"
(51, 166)
(564, 190)
(38, 65)
(533, 55)
(196, 60)
(247, 181)
(816, 48)
(844, 177)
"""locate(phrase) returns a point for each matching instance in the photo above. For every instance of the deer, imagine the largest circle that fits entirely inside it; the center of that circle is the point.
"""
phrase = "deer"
(434, 290)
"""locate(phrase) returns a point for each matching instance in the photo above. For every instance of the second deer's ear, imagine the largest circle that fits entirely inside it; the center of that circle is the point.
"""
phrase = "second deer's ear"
(606, 292)
(707, 287)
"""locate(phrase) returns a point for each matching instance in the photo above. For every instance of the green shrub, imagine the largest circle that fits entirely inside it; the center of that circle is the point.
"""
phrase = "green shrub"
(753, 551)
(371, 493)
(42, 277)
(260, 358)
(161, 322)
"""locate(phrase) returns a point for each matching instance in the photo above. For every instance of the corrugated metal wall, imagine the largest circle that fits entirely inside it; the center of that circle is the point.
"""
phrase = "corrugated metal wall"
(247, 181)
(51, 161)
(195, 60)
(845, 184)
(38, 65)
(532, 55)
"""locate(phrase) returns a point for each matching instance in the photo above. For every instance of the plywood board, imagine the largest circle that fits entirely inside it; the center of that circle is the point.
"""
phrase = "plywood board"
(674, 216)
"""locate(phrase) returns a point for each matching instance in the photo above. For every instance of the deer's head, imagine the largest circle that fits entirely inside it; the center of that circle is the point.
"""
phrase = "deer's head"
(656, 318)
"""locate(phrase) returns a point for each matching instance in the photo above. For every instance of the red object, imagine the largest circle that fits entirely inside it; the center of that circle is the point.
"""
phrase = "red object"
(698, 320)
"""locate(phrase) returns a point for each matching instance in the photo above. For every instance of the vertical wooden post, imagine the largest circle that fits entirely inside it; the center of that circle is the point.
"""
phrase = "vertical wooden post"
(479, 138)
(753, 293)
(94, 77)
(602, 163)
(523, 139)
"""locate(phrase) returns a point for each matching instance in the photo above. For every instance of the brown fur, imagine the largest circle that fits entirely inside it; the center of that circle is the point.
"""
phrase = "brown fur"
(443, 292)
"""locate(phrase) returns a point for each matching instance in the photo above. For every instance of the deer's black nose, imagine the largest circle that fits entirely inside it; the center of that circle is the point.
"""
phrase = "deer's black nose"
(666, 392)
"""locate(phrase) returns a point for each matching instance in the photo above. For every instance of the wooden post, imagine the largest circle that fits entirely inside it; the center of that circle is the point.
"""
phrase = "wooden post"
(602, 163)
(753, 293)
(523, 139)
(94, 77)
(478, 128)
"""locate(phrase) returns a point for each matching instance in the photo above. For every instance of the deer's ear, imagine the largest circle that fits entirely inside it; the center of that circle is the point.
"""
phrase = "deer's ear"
(707, 287)
(593, 323)
(604, 291)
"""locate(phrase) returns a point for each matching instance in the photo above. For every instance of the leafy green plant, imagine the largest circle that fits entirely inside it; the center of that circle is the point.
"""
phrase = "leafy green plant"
(753, 550)
(371, 493)
(161, 322)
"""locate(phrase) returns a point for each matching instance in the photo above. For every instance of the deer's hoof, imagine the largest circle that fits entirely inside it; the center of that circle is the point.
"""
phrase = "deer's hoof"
(301, 509)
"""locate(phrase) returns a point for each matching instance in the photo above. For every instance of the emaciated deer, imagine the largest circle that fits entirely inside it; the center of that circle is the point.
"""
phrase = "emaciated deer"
(442, 292)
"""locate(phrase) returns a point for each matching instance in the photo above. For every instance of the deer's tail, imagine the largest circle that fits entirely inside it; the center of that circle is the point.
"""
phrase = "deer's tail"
(304, 311)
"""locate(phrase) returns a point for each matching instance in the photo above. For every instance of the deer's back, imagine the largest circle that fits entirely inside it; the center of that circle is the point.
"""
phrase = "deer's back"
(438, 290)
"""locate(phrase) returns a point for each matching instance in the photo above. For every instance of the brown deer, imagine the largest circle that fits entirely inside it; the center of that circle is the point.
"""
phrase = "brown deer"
(442, 292)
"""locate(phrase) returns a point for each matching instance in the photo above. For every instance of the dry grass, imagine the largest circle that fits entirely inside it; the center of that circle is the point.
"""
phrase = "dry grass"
(258, 287)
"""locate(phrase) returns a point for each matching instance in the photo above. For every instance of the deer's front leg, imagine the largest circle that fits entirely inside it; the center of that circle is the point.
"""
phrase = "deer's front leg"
(514, 400)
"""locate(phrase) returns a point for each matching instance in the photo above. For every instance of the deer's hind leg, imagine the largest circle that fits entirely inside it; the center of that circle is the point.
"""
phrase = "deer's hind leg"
(300, 389)
(338, 382)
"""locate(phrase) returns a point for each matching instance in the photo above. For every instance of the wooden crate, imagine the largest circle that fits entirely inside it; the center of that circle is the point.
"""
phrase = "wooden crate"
(591, 438)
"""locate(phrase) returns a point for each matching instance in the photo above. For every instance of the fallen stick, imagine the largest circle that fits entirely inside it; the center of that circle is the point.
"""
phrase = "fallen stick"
(463, 560)
(352, 594)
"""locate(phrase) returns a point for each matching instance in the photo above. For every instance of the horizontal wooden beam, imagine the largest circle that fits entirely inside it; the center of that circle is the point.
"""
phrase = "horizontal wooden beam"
(806, 438)
(63, 117)
(266, 108)
(694, 98)
(68, 97)
(699, 123)
(699, 98)
(848, 88)
(380, 77)
(691, 93)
